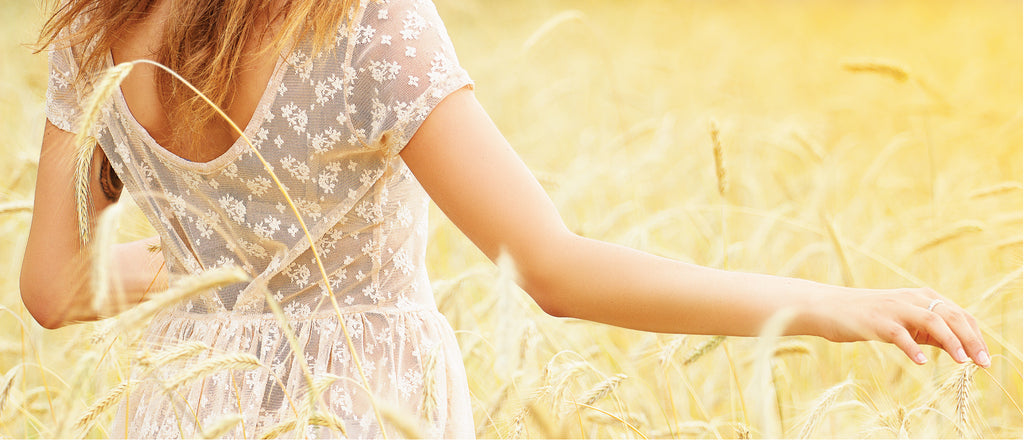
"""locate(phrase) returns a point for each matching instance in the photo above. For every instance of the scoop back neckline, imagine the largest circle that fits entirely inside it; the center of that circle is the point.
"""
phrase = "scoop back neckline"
(236, 148)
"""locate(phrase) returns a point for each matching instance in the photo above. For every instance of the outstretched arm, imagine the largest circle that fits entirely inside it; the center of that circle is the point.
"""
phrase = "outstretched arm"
(475, 177)
(56, 270)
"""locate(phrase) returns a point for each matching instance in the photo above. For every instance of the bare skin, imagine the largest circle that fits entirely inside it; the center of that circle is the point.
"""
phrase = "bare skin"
(472, 173)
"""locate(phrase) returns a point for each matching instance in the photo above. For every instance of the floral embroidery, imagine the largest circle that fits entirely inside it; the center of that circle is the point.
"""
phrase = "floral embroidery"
(321, 129)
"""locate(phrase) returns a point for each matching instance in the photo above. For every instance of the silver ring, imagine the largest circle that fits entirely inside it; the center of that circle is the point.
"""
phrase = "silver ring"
(935, 303)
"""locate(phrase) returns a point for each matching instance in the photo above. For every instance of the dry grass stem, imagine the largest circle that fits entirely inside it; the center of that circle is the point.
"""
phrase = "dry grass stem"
(879, 67)
(837, 245)
(550, 25)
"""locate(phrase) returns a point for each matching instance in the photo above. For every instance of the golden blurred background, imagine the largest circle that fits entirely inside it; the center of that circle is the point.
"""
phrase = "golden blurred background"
(866, 143)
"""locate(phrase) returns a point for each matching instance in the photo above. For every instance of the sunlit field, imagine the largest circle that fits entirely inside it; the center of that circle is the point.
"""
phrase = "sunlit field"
(867, 143)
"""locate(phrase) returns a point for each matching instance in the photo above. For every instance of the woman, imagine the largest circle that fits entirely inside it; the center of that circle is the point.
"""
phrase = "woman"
(362, 118)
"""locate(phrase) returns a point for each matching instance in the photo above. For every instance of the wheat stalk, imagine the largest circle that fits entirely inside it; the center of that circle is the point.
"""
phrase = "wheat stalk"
(959, 385)
(792, 348)
(688, 429)
(14, 207)
(405, 423)
(954, 231)
(994, 190)
(821, 406)
(189, 287)
(222, 426)
(6, 390)
(602, 389)
(667, 353)
(109, 81)
(106, 233)
(231, 361)
(112, 397)
(550, 25)
(879, 67)
(180, 351)
(844, 263)
(703, 349)
(430, 393)
(716, 143)
(742, 430)
(326, 420)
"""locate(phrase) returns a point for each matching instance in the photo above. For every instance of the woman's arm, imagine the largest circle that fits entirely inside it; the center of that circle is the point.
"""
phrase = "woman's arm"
(475, 177)
(56, 270)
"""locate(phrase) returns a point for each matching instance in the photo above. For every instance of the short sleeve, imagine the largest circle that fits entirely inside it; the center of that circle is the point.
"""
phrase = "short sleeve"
(404, 64)
(63, 107)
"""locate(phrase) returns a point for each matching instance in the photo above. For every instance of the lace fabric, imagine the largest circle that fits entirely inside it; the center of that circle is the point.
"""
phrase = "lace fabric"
(331, 125)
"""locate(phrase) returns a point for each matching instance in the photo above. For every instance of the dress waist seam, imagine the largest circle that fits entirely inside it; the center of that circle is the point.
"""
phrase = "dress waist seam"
(319, 315)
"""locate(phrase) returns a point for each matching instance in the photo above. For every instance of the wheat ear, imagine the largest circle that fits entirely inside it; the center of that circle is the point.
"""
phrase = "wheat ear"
(222, 426)
(14, 207)
(231, 361)
(716, 143)
(995, 190)
(602, 389)
(189, 287)
(821, 406)
(959, 384)
(703, 349)
(954, 231)
(6, 390)
(166, 356)
(879, 67)
(319, 419)
(112, 397)
(430, 393)
(792, 348)
(85, 146)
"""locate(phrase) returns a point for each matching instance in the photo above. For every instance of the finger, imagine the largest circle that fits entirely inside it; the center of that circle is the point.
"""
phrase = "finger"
(966, 329)
(900, 337)
(939, 331)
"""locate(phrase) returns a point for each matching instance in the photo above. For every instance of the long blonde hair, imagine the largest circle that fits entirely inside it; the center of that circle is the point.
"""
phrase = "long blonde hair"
(203, 42)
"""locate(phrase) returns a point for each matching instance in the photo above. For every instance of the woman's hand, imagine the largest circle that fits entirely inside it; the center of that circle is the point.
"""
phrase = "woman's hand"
(474, 176)
(902, 317)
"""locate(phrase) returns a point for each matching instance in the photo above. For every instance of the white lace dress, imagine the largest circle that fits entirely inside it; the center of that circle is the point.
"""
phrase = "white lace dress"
(331, 125)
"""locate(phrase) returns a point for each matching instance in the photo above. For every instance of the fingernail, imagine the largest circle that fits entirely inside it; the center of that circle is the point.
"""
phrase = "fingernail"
(920, 358)
(983, 358)
(961, 356)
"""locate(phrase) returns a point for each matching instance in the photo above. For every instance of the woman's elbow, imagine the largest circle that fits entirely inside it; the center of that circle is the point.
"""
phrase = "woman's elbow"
(34, 295)
(542, 277)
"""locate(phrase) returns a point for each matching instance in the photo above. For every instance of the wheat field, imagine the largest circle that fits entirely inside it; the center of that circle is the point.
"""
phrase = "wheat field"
(871, 144)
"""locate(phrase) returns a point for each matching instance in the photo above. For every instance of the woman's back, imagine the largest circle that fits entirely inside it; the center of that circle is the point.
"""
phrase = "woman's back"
(143, 39)
(330, 126)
